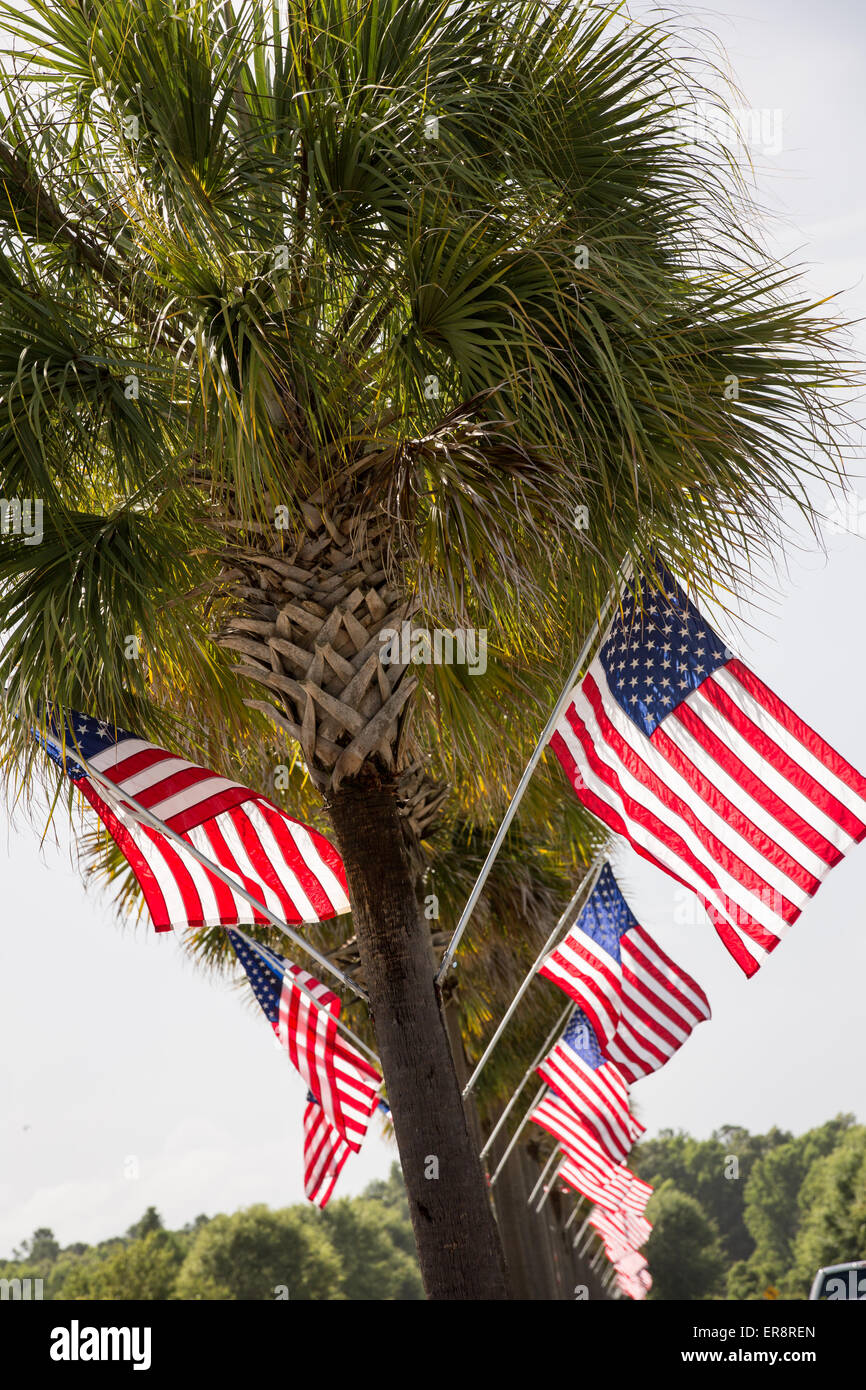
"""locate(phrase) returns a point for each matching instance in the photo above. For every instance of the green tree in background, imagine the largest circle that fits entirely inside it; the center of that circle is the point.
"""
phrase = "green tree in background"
(145, 1269)
(684, 1253)
(833, 1207)
(256, 1253)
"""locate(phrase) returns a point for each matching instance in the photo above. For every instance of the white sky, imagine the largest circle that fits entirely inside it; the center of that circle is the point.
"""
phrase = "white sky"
(119, 1058)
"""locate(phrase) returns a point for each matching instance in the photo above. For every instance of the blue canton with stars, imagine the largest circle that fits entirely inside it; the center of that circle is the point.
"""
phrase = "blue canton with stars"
(607, 916)
(657, 653)
(265, 970)
(80, 734)
(580, 1037)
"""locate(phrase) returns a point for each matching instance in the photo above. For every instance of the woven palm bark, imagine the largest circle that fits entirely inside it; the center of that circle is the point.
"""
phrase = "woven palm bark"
(309, 626)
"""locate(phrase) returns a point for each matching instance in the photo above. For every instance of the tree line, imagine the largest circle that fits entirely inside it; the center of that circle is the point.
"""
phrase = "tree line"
(751, 1216)
(358, 1248)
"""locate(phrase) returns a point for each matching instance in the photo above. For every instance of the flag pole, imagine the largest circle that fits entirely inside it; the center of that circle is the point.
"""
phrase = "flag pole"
(296, 984)
(541, 1051)
(592, 874)
(579, 1235)
(118, 798)
(517, 1133)
(544, 1172)
(576, 671)
(547, 1191)
(577, 1206)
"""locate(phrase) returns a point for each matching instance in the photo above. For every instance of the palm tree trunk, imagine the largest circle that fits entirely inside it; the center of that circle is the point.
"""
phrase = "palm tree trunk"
(455, 1231)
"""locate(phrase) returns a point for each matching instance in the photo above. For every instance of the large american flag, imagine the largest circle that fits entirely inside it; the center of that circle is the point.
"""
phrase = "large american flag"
(641, 1005)
(676, 745)
(325, 1153)
(286, 865)
(577, 1070)
(336, 1072)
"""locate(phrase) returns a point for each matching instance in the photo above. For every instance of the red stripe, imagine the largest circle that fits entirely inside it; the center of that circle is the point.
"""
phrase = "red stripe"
(144, 875)
(608, 816)
(799, 730)
(583, 992)
(312, 886)
(642, 816)
(770, 751)
(759, 792)
(639, 943)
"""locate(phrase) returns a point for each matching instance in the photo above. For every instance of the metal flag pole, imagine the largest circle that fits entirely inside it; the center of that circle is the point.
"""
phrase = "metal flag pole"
(347, 1032)
(544, 1046)
(577, 1207)
(589, 878)
(118, 799)
(544, 1172)
(597, 1260)
(579, 1235)
(519, 1130)
(576, 671)
(587, 1243)
(547, 1191)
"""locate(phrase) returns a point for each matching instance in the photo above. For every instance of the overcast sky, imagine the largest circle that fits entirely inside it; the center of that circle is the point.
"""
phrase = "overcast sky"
(127, 1078)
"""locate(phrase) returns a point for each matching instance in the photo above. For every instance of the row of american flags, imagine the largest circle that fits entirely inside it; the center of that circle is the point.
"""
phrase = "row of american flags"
(669, 740)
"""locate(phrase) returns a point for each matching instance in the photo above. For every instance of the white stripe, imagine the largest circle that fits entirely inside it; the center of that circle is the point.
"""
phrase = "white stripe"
(168, 885)
(639, 940)
(189, 798)
(792, 745)
(245, 914)
(316, 864)
(739, 796)
(658, 849)
(643, 796)
(775, 780)
(599, 989)
(679, 785)
(282, 868)
(226, 825)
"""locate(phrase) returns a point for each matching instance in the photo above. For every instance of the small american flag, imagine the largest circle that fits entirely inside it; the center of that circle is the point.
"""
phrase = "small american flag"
(637, 1286)
(335, 1071)
(577, 1070)
(587, 1167)
(287, 865)
(325, 1153)
(641, 1005)
(679, 747)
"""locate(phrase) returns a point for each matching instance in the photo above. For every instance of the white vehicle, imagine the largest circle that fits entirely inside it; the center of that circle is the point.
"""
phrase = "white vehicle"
(836, 1282)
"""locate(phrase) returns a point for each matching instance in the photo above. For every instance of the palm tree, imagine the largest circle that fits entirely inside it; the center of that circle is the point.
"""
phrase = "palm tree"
(325, 316)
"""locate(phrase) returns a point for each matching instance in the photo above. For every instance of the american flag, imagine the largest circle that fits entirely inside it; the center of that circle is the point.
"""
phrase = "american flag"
(325, 1153)
(641, 1005)
(335, 1071)
(577, 1070)
(675, 744)
(287, 865)
(586, 1167)
(612, 1229)
(637, 1286)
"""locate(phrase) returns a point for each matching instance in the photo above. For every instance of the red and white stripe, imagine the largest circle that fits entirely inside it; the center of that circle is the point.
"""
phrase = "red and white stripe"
(325, 1153)
(643, 1007)
(733, 795)
(335, 1071)
(586, 1166)
(600, 1098)
(288, 866)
